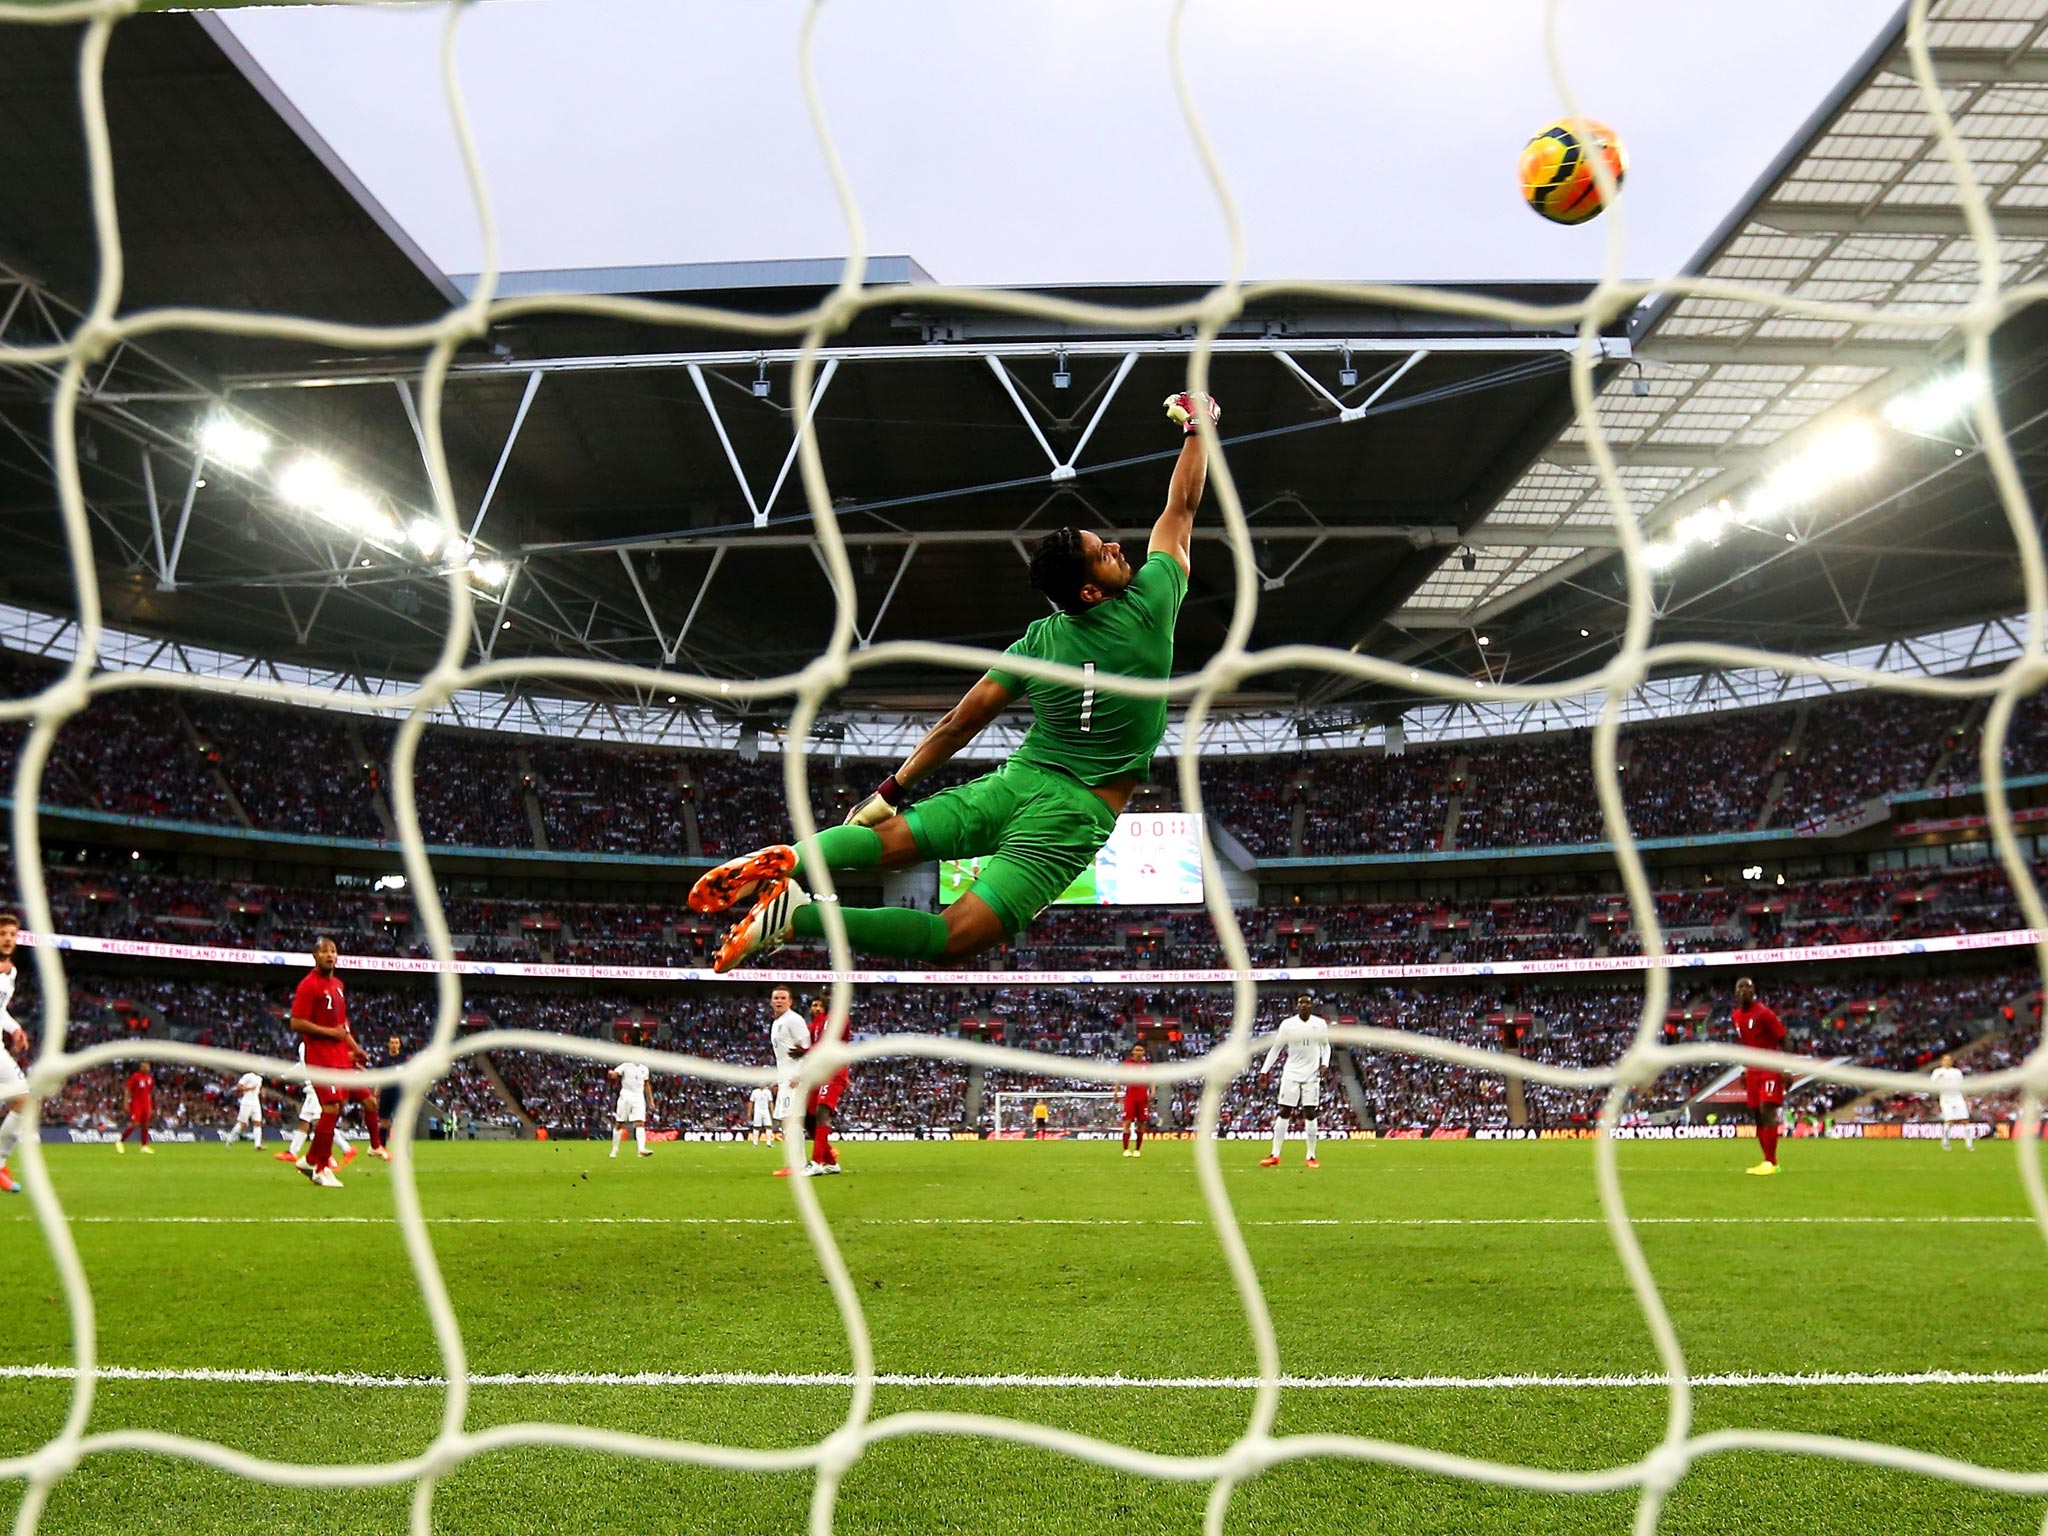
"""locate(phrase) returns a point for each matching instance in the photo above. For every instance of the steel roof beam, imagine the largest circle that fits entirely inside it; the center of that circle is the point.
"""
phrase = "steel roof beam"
(1850, 219)
(1612, 348)
(1816, 351)
(1979, 66)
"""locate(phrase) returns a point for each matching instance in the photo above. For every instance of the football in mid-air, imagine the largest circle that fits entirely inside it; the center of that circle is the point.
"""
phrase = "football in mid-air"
(1557, 169)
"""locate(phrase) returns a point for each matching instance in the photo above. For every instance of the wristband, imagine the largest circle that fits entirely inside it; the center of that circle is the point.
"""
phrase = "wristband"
(890, 791)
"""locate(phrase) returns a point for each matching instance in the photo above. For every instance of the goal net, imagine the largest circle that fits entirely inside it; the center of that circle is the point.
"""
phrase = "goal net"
(1067, 1113)
(1981, 299)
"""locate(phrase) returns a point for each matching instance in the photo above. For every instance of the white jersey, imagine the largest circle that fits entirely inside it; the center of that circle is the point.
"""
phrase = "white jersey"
(11, 1079)
(250, 1086)
(788, 1037)
(632, 1080)
(762, 1101)
(1307, 1044)
(1948, 1082)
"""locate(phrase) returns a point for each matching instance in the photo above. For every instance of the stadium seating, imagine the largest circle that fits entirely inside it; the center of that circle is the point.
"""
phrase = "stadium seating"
(219, 761)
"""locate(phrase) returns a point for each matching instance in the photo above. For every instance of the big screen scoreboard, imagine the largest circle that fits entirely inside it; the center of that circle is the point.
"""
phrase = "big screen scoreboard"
(1150, 860)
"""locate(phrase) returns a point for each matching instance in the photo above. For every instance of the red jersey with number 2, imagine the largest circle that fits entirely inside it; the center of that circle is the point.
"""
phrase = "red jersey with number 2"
(1761, 1030)
(141, 1089)
(320, 1000)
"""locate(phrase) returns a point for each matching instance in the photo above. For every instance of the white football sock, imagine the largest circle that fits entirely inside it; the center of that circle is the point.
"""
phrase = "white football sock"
(618, 1137)
(10, 1134)
(258, 1135)
(1308, 1128)
(1279, 1133)
(640, 1137)
(340, 1140)
(299, 1139)
(1944, 1135)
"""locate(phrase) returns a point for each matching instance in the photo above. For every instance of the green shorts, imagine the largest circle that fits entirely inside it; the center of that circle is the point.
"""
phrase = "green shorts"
(1042, 828)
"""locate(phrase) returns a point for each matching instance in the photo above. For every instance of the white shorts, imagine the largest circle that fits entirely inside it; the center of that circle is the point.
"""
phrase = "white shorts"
(1301, 1092)
(251, 1109)
(1954, 1107)
(632, 1106)
(762, 1118)
(12, 1083)
(309, 1106)
(785, 1100)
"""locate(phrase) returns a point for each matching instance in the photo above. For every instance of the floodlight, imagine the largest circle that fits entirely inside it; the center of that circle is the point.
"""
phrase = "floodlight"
(1663, 554)
(307, 481)
(1466, 558)
(1753, 872)
(761, 381)
(491, 573)
(1347, 375)
(1936, 404)
(232, 444)
(1844, 451)
(424, 534)
(1060, 377)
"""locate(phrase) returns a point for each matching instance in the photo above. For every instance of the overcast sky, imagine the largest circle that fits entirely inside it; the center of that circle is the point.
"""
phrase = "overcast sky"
(1040, 142)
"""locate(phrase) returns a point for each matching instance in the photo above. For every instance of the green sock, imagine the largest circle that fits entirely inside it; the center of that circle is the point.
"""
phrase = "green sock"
(896, 931)
(840, 848)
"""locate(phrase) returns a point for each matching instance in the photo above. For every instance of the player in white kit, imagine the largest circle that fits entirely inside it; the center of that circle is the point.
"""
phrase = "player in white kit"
(14, 1099)
(788, 1037)
(249, 1113)
(1955, 1108)
(1305, 1037)
(632, 1107)
(761, 1130)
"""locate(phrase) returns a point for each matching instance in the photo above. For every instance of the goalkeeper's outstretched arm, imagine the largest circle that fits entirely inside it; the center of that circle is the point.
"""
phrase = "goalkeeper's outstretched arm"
(956, 728)
(1174, 532)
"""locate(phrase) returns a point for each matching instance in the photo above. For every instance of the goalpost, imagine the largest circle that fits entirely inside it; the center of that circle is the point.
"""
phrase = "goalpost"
(1651, 1477)
(1070, 1112)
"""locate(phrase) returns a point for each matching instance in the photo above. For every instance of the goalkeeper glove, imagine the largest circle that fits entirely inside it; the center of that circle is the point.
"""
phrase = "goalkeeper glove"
(879, 806)
(1186, 408)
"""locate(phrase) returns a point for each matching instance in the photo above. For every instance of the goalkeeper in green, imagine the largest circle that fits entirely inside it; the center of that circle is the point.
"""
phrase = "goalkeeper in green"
(1036, 822)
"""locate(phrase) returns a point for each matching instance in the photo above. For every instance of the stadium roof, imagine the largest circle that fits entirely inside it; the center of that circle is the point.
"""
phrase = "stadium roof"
(1863, 211)
(627, 477)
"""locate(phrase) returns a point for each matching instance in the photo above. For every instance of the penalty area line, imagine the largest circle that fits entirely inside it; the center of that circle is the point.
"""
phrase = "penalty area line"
(252, 1377)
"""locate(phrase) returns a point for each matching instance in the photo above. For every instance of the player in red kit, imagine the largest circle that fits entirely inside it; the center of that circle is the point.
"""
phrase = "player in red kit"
(1137, 1099)
(141, 1109)
(1760, 1029)
(824, 1099)
(320, 1013)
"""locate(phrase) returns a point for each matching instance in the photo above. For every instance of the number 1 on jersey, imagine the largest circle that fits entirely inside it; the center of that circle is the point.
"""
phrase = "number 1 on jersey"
(1088, 695)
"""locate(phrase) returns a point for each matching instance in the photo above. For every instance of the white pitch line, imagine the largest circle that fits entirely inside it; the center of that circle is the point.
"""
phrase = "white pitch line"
(1091, 1383)
(1047, 1221)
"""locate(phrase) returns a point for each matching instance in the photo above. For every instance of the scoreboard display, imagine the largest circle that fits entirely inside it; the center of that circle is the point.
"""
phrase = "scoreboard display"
(1151, 860)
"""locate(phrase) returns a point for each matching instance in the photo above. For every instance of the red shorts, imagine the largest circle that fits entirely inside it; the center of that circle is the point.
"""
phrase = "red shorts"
(140, 1110)
(1763, 1086)
(1136, 1101)
(329, 1094)
(829, 1095)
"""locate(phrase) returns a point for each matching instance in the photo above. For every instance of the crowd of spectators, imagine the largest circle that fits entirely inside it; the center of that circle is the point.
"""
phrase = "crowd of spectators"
(132, 902)
(1860, 748)
(1529, 792)
(622, 800)
(292, 770)
(179, 756)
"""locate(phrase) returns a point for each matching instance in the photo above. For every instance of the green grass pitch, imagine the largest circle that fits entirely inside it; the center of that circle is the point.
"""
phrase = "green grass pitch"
(1395, 1259)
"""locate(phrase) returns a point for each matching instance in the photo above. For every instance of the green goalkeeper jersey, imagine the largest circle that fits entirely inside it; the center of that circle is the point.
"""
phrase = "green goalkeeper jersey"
(1091, 733)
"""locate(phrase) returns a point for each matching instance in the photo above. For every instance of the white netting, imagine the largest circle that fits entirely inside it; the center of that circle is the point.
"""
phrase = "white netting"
(1256, 1448)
